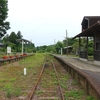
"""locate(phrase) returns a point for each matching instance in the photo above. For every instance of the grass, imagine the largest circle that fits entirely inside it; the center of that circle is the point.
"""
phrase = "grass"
(12, 78)
(15, 83)
(74, 82)
(17, 92)
(74, 94)
(39, 92)
(10, 90)
(90, 98)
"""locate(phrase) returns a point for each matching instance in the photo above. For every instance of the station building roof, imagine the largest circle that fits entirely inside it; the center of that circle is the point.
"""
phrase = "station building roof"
(89, 31)
(19, 40)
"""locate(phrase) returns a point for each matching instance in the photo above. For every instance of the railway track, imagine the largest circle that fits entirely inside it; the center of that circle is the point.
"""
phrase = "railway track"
(47, 86)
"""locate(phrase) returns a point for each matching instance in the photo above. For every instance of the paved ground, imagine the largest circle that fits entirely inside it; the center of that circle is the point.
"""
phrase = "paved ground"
(89, 65)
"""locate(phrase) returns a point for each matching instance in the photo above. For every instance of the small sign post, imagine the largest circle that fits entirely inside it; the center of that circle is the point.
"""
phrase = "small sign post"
(8, 50)
(24, 71)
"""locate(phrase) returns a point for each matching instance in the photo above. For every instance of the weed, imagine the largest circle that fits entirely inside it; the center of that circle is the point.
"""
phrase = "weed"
(17, 92)
(90, 98)
(75, 94)
(45, 79)
(39, 92)
(63, 79)
(52, 74)
(29, 67)
(55, 82)
(2, 80)
(34, 73)
(8, 86)
(44, 84)
(74, 82)
(12, 79)
(63, 85)
(8, 89)
(8, 93)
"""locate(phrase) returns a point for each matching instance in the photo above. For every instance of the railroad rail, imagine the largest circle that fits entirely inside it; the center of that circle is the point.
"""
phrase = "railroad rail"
(59, 92)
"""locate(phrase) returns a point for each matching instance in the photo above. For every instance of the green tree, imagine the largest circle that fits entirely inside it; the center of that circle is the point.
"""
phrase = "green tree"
(6, 38)
(69, 40)
(75, 46)
(12, 40)
(19, 35)
(13, 37)
(18, 44)
(51, 49)
(4, 25)
(58, 46)
(30, 47)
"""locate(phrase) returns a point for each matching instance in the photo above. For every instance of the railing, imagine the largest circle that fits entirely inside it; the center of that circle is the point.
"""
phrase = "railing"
(97, 55)
(83, 54)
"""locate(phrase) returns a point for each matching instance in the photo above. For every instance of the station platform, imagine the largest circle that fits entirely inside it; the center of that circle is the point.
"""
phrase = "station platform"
(87, 68)
(81, 64)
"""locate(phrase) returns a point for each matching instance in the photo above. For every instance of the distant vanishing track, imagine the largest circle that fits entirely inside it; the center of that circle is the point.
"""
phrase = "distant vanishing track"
(44, 68)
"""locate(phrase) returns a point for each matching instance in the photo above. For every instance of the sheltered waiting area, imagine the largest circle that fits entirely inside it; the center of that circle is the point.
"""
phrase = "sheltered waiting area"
(90, 28)
(23, 41)
(67, 50)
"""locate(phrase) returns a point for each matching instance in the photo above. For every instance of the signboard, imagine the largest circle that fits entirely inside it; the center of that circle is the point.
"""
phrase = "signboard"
(8, 49)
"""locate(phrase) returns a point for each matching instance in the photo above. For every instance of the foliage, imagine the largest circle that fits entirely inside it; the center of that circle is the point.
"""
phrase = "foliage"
(90, 98)
(4, 25)
(19, 35)
(75, 94)
(50, 49)
(75, 46)
(69, 40)
(13, 37)
(90, 51)
(58, 46)
(8, 89)
(11, 40)
(44, 48)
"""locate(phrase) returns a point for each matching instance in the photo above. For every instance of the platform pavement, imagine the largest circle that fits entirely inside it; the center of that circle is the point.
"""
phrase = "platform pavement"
(89, 68)
(86, 65)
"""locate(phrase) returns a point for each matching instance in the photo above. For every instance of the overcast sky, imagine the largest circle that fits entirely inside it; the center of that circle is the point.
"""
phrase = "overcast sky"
(42, 21)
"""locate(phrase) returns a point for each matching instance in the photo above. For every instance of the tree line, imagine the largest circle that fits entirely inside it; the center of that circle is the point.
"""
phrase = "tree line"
(11, 40)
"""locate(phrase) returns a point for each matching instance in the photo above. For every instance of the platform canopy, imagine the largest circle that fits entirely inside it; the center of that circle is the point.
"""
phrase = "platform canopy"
(22, 41)
(89, 31)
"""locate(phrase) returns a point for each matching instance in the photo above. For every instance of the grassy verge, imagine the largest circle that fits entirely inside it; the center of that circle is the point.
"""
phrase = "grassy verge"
(13, 82)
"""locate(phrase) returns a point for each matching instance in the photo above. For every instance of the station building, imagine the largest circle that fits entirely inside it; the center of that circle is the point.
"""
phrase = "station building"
(90, 30)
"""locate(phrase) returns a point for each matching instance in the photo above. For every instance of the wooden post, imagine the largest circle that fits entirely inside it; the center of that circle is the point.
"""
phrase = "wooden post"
(79, 46)
(22, 46)
(87, 47)
(66, 44)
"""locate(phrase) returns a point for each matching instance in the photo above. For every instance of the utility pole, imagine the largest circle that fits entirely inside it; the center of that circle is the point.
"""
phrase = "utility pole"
(66, 44)
(54, 45)
(54, 41)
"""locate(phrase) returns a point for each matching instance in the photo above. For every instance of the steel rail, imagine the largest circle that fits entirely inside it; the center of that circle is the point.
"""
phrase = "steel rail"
(33, 90)
(61, 93)
(41, 72)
